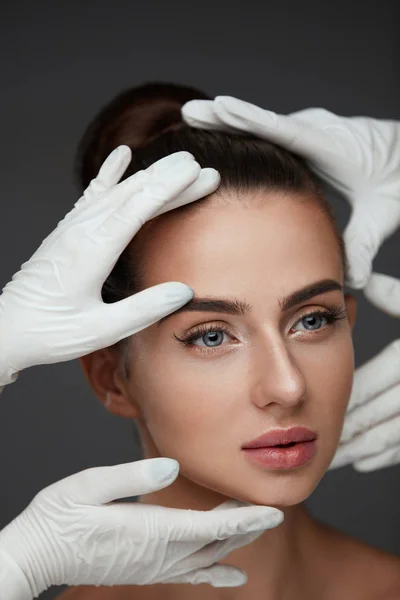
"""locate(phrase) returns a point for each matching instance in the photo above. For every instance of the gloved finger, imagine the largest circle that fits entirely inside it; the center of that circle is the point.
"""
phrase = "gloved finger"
(195, 554)
(380, 438)
(380, 373)
(384, 292)
(112, 169)
(215, 551)
(109, 174)
(100, 485)
(113, 234)
(105, 231)
(220, 115)
(306, 132)
(203, 553)
(103, 207)
(207, 182)
(370, 224)
(291, 132)
(216, 575)
(117, 230)
(95, 204)
(156, 172)
(388, 458)
(380, 409)
(201, 114)
(119, 320)
(135, 209)
(210, 525)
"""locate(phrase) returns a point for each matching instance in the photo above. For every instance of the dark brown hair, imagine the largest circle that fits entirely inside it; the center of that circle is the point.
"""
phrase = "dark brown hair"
(148, 119)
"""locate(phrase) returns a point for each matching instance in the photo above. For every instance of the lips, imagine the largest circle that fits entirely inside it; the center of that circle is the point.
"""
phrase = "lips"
(281, 437)
(282, 449)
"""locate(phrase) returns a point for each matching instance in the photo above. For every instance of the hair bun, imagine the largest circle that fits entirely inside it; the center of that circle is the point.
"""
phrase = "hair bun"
(135, 117)
(156, 108)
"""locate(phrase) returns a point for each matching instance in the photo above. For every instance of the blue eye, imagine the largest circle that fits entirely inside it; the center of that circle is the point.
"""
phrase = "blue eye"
(215, 337)
(211, 334)
(312, 321)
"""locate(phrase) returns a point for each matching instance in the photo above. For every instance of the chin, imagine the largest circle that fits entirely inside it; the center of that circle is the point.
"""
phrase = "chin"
(279, 496)
(278, 489)
(254, 485)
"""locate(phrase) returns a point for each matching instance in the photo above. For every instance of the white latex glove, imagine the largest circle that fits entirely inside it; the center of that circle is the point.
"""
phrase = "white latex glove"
(69, 534)
(51, 310)
(359, 156)
(371, 433)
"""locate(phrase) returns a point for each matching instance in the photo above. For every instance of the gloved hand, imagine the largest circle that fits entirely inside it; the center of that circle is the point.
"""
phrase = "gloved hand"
(70, 534)
(51, 310)
(371, 433)
(358, 156)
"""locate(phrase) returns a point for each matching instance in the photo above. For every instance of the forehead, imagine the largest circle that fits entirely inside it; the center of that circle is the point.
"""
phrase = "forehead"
(269, 242)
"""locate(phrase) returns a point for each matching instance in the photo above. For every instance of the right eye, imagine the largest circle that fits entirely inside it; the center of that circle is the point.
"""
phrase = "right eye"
(212, 336)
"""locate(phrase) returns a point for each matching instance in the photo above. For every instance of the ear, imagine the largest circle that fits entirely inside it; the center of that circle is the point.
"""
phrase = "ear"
(351, 307)
(104, 373)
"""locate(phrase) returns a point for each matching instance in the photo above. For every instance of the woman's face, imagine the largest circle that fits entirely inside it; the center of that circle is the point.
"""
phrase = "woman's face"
(263, 368)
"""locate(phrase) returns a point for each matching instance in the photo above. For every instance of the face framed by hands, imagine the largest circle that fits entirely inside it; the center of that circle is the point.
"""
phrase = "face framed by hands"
(264, 344)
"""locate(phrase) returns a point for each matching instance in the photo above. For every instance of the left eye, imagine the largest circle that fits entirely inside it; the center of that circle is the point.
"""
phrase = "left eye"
(312, 322)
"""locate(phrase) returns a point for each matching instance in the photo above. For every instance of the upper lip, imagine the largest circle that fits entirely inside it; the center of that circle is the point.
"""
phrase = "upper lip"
(276, 437)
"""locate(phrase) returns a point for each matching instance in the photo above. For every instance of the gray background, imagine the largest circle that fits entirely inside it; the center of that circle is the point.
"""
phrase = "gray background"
(60, 62)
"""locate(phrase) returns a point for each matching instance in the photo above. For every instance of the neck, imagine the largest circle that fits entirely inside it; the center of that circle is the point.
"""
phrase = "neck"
(280, 563)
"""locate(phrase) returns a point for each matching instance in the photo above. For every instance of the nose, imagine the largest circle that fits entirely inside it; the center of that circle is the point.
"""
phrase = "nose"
(277, 377)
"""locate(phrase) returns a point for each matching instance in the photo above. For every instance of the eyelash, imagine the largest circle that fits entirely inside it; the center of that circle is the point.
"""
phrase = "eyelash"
(332, 315)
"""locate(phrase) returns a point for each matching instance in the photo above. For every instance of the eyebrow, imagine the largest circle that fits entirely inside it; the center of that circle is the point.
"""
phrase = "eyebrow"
(239, 308)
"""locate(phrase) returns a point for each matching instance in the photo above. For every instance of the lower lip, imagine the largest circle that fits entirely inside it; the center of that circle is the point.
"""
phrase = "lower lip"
(276, 457)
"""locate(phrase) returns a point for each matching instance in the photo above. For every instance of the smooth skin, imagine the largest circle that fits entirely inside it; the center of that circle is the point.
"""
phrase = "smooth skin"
(268, 370)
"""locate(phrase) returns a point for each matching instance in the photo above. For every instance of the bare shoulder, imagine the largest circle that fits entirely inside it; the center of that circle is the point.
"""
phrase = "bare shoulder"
(386, 574)
(369, 572)
(382, 573)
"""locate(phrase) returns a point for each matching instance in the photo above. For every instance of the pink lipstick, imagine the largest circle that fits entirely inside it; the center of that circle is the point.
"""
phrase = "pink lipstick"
(282, 448)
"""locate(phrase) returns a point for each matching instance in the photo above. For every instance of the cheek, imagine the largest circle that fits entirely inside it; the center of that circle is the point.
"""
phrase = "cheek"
(181, 396)
(340, 377)
(332, 388)
(183, 409)
(190, 409)
(197, 411)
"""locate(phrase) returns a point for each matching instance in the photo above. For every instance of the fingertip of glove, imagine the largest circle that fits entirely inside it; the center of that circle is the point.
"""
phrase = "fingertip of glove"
(357, 278)
(199, 113)
(274, 517)
(193, 106)
(210, 176)
(233, 578)
(123, 149)
(163, 469)
(223, 99)
(176, 292)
